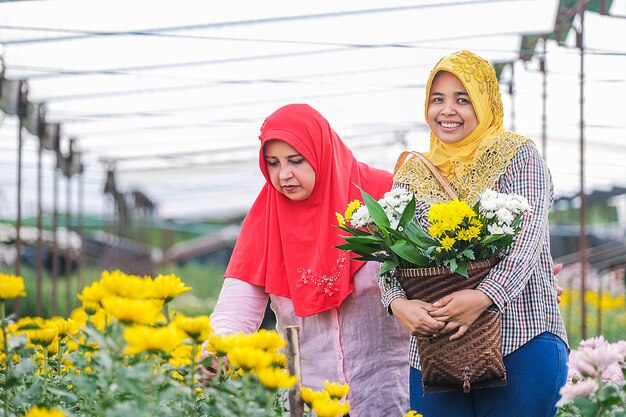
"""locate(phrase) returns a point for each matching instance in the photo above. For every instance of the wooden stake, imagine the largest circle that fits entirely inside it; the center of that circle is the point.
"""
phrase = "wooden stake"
(296, 405)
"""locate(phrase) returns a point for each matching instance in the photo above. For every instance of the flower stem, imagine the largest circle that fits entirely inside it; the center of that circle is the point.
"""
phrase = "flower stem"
(166, 312)
(7, 355)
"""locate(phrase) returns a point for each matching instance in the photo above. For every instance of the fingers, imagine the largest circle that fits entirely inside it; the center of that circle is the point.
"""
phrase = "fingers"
(557, 268)
(459, 333)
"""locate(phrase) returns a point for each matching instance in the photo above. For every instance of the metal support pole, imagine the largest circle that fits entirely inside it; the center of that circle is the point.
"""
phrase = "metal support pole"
(18, 219)
(582, 221)
(68, 251)
(39, 255)
(512, 94)
(55, 243)
(81, 230)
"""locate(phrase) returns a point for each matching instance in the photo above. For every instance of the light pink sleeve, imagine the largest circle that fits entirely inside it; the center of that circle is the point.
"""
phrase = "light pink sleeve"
(240, 307)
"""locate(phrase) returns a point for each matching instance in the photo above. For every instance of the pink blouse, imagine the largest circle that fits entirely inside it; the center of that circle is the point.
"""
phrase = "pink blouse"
(358, 344)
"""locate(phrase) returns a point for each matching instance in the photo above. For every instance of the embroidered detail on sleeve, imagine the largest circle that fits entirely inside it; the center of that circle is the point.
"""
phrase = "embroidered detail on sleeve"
(325, 283)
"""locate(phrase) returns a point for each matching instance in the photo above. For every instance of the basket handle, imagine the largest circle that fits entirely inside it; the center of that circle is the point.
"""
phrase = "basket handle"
(433, 170)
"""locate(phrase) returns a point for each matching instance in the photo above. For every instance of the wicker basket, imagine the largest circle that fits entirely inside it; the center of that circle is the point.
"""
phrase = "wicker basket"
(471, 362)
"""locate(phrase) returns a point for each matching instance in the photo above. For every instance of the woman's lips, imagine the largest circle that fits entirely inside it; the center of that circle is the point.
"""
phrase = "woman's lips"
(290, 188)
(450, 125)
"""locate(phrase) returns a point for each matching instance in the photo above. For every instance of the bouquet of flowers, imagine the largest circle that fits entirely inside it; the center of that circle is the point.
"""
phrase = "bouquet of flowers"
(458, 233)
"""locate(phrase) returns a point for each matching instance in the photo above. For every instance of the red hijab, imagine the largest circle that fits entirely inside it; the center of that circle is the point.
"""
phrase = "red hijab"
(288, 246)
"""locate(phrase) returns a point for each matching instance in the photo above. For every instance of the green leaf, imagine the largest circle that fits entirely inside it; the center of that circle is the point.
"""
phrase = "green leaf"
(387, 266)
(586, 406)
(409, 253)
(408, 214)
(354, 230)
(376, 211)
(461, 269)
(451, 263)
(418, 236)
(469, 254)
(491, 238)
(364, 239)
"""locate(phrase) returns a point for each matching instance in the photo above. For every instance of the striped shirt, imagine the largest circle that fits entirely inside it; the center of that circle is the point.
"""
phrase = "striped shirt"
(522, 285)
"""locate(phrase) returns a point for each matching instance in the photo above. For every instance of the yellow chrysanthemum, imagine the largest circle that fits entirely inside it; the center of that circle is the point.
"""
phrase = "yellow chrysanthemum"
(436, 230)
(341, 221)
(412, 413)
(99, 318)
(269, 340)
(11, 286)
(198, 328)
(475, 222)
(447, 243)
(336, 390)
(177, 376)
(234, 373)
(352, 207)
(64, 327)
(26, 323)
(93, 294)
(249, 358)
(220, 345)
(279, 361)
(166, 287)
(181, 356)
(309, 396)
(274, 378)
(449, 216)
(53, 347)
(152, 339)
(44, 412)
(606, 301)
(42, 337)
(128, 310)
(124, 285)
(468, 234)
(330, 408)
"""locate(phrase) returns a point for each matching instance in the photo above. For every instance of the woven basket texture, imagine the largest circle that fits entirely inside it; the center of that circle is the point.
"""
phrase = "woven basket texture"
(471, 362)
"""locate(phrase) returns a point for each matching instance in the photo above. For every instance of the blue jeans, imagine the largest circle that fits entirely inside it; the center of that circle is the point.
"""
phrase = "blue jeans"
(535, 373)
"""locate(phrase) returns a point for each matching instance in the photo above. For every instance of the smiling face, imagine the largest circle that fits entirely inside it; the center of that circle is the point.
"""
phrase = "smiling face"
(290, 173)
(450, 114)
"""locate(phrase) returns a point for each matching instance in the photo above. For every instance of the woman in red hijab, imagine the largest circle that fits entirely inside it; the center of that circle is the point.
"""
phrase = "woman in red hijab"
(286, 251)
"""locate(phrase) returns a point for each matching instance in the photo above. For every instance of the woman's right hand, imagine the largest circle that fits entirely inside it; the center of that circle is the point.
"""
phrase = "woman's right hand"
(414, 316)
(207, 372)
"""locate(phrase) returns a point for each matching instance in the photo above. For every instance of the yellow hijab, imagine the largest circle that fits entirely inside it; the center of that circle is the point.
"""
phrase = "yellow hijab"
(474, 163)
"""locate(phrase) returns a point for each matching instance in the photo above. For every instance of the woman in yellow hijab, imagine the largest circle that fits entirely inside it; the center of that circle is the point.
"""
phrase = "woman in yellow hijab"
(471, 149)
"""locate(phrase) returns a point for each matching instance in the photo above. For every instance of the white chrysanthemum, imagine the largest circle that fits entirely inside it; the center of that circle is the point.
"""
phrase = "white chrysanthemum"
(361, 217)
(495, 229)
(489, 200)
(508, 230)
(520, 203)
(504, 216)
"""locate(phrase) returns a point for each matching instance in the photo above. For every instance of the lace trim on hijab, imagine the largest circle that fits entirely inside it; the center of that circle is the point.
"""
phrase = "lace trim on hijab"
(325, 283)
(470, 180)
(414, 174)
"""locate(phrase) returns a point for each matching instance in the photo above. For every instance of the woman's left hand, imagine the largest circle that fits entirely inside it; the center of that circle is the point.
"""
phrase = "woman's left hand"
(460, 309)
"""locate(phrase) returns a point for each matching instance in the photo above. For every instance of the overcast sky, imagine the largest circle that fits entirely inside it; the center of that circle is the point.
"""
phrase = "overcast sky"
(175, 92)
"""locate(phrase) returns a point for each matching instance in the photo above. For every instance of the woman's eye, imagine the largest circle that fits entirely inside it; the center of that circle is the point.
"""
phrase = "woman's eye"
(297, 161)
(463, 100)
(272, 164)
(437, 100)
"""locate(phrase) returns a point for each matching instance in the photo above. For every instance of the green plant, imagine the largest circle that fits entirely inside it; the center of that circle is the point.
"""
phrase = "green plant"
(384, 230)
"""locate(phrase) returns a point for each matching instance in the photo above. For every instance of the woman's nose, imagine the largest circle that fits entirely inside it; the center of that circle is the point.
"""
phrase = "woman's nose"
(448, 108)
(285, 173)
